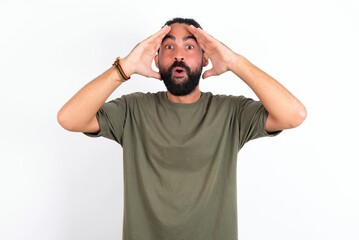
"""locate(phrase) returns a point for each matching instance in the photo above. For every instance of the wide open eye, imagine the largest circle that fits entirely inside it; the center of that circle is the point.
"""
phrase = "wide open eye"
(168, 46)
(189, 47)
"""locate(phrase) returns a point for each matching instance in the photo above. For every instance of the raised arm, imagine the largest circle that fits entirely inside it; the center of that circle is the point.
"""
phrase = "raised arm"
(285, 110)
(79, 113)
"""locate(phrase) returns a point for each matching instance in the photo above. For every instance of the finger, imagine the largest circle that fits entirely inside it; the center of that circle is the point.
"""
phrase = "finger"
(154, 74)
(201, 36)
(156, 39)
(161, 33)
(208, 73)
(196, 33)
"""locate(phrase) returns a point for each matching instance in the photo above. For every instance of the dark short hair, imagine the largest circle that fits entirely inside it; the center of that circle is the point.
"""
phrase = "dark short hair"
(188, 21)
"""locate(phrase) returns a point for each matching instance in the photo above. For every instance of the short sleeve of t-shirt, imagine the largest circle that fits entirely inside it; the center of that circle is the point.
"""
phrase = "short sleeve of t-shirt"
(251, 118)
(111, 118)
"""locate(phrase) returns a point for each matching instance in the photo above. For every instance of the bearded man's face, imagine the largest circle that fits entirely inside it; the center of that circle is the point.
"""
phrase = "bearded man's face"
(179, 79)
(180, 60)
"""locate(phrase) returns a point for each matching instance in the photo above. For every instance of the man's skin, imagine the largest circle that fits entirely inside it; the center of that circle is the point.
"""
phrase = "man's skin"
(180, 42)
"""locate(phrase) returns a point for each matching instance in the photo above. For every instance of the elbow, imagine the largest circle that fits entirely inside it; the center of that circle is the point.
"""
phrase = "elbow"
(299, 117)
(73, 122)
(64, 120)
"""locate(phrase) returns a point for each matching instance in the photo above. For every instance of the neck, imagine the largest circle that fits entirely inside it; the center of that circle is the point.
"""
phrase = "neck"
(187, 99)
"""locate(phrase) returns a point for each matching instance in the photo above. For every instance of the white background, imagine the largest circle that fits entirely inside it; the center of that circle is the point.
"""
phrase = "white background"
(60, 185)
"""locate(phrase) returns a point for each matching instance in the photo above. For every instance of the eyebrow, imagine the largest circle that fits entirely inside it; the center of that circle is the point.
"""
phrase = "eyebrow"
(184, 38)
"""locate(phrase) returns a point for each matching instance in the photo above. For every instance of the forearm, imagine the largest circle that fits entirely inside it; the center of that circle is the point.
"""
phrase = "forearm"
(81, 109)
(282, 105)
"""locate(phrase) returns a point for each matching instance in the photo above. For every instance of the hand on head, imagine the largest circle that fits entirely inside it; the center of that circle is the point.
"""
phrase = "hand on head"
(139, 60)
(219, 54)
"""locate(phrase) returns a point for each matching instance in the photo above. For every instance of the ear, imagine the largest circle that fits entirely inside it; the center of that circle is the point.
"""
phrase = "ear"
(205, 60)
(156, 60)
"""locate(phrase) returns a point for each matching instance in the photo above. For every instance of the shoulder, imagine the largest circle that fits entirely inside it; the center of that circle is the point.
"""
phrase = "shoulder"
(232, 102)
(226, 99)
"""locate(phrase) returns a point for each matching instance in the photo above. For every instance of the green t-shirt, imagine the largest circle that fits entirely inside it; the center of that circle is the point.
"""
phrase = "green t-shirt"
(180, 162)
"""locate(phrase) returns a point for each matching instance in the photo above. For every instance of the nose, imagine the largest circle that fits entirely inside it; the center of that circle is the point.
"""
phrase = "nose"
(179, 59)
(179, 55)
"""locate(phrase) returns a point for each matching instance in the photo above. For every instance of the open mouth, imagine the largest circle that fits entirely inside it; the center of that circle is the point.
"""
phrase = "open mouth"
(178, 71)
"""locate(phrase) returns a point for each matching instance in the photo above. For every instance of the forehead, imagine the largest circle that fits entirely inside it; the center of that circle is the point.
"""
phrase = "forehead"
(179, 31)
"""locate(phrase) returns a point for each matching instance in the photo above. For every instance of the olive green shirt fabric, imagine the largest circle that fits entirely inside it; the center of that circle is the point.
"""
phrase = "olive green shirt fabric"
(180, 162)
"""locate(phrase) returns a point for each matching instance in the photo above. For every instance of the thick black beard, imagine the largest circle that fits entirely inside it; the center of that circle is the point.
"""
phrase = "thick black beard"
(187, 86)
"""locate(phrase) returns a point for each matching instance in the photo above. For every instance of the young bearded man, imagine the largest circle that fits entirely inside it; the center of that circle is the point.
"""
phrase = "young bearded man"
(180, 146)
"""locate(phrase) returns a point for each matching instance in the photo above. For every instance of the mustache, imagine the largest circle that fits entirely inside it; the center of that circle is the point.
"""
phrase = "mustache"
(179, 64)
